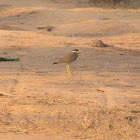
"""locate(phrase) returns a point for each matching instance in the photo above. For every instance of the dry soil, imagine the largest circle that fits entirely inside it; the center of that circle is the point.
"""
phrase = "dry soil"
(39, 101)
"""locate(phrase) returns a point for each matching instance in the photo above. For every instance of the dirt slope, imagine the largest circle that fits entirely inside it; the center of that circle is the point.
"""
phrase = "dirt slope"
(101, 97)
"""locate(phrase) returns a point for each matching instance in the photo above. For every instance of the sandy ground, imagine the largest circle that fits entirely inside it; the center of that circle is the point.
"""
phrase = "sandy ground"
(39, 101)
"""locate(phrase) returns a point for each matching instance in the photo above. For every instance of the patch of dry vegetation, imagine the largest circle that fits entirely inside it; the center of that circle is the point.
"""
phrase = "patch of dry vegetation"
(48, 100)
(88, 121)
(4, 6)
(116, 3)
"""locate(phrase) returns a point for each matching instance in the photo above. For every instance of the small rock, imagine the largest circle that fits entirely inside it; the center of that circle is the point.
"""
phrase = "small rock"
(1, 94)
(48, 28)
(130, 118)
(4, 94)
(99, 43)
(135, 111)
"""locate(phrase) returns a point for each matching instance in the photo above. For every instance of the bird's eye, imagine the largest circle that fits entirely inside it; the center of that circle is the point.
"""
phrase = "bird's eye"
(77, 51)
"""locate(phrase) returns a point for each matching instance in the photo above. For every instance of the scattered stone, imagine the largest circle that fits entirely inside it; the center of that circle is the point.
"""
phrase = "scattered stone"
(111, 127)
(33, 12)
(121, 53)
(48, 28)
(41, 27)
(100, 90)
(1, 94)
(4, 94)
(130, 118)
(103, 18)
(18, 15)
(135, 111)
(133, 102)
(101, 44)
(5, 52)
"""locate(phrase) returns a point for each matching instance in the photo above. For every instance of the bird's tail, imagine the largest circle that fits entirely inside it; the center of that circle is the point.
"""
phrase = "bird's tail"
(55, 63)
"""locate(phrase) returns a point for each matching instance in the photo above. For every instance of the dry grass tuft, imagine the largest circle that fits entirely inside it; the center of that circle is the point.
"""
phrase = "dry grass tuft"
(94, 122)
(134, 4)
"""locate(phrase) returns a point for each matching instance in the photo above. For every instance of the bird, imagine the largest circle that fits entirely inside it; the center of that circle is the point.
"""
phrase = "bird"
(69, 58)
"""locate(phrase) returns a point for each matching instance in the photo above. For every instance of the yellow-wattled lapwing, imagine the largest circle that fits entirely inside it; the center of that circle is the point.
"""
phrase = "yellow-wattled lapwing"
(69, 58)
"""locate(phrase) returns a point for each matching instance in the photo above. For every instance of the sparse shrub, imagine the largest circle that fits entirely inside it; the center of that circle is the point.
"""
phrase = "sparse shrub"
(116, 3)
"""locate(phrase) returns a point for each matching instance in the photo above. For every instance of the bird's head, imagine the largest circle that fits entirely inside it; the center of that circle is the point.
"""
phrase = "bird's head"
(76, 51)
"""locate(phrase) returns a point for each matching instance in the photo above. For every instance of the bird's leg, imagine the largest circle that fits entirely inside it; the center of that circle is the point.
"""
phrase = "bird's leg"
(68, 70)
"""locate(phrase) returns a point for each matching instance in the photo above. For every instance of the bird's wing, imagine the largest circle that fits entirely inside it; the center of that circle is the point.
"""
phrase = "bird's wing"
(69, 58)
